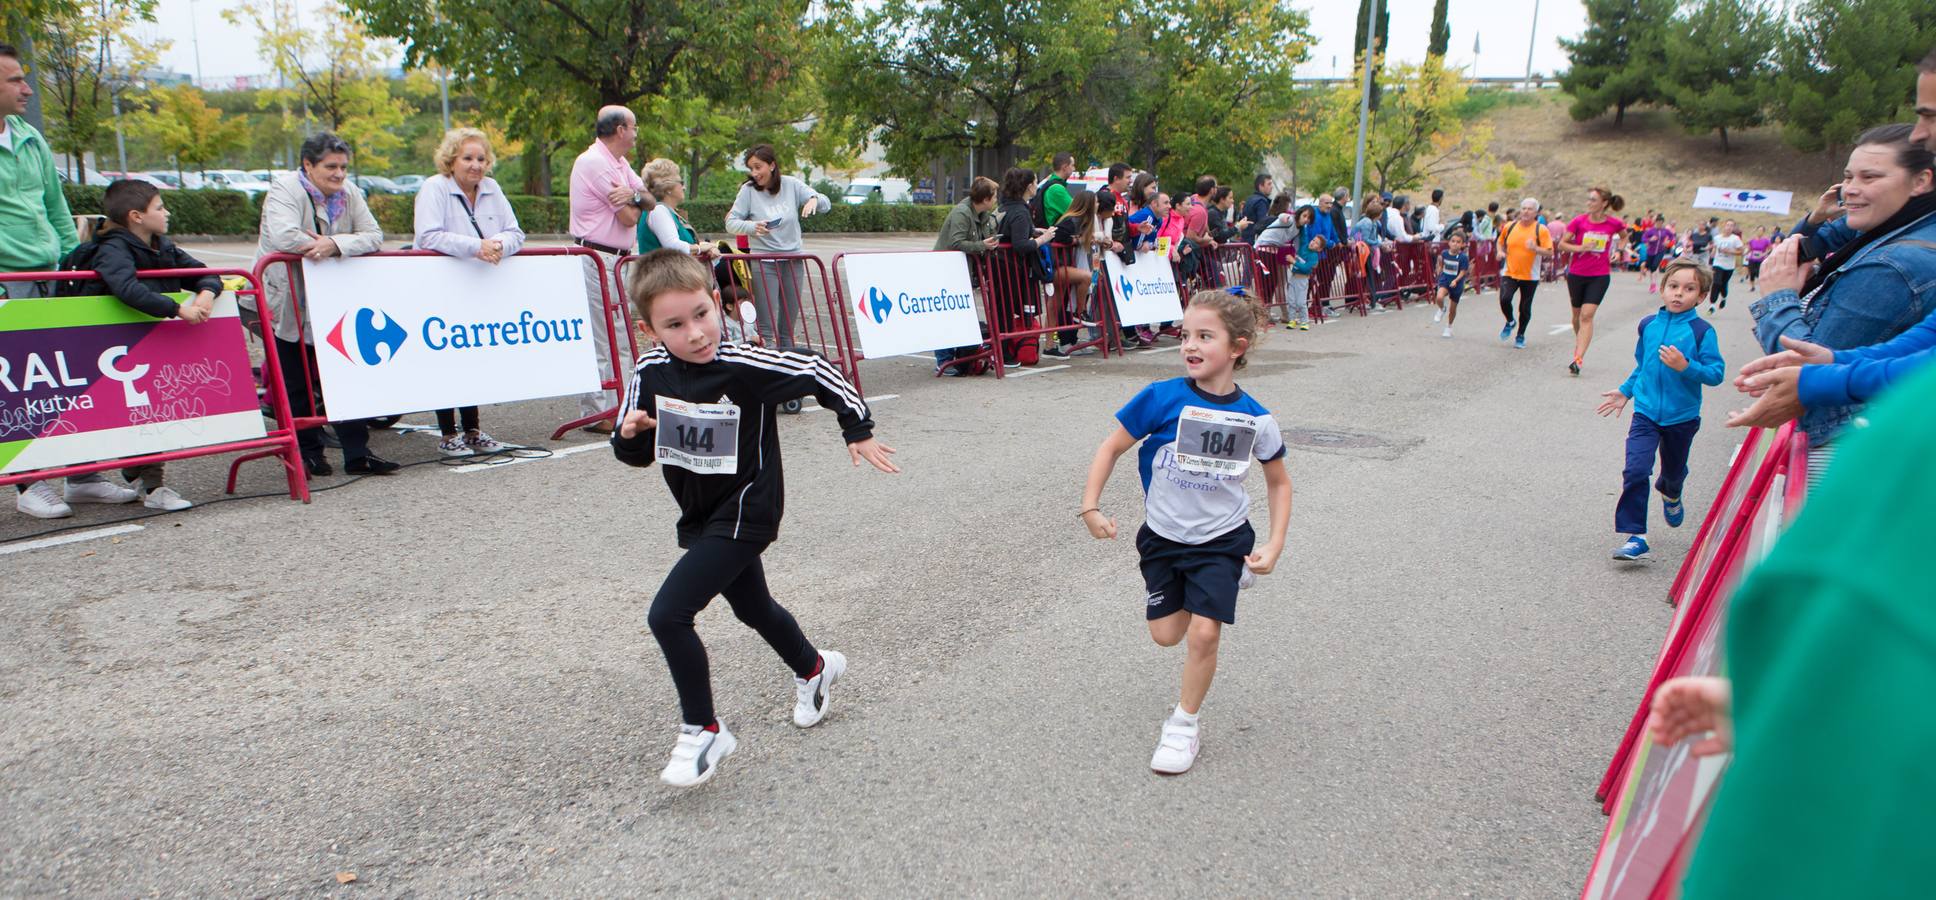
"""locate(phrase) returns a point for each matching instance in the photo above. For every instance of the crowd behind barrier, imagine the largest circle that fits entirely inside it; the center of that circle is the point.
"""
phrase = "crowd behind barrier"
(1656, 797)
(278, 442)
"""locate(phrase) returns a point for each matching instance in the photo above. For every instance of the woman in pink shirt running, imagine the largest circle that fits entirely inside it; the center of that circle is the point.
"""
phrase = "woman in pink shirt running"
(1594, 239)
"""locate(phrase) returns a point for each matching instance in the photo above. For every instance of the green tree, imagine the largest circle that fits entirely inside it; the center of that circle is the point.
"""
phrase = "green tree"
(87, 56)
(1845, 65)
(348, 94)
(1617, 62)
(1420, 132)
(1440, 35)
(185, 127)
(983, 74)
(1378, 49)
(1717, 57)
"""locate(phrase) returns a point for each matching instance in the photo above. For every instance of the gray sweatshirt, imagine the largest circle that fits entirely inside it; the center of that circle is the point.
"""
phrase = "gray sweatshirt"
(754, 206)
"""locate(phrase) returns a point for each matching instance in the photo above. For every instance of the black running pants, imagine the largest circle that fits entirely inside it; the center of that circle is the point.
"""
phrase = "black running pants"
(1507, 287)
(716, 566)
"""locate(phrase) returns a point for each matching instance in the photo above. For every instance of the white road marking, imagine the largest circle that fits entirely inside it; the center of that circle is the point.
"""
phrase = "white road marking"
(817, 407)
(71, 538)
(200, 252)
(1037, 371)
(1558, 329)
(555, 454)
(1156, 350)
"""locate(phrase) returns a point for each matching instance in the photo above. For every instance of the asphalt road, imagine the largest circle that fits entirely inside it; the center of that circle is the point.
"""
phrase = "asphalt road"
(442, 683)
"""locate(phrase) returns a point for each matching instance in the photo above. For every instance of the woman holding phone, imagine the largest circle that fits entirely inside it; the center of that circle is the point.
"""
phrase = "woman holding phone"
(768, 210)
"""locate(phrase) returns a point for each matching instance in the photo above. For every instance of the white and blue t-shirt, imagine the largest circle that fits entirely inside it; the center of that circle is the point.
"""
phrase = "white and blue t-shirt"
(1197, 447)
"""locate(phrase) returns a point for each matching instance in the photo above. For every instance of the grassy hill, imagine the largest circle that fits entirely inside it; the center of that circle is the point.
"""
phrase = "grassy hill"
(1650, 160)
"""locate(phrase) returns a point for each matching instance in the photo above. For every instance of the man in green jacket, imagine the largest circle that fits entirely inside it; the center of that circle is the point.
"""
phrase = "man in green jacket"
(36, 230)
(1055, 189)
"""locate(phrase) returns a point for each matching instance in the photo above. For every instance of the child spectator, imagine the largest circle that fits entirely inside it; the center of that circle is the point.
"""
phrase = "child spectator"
(1455, 274)
(1308, 256)
(733, 310)
(136, 240)
(1677, 353)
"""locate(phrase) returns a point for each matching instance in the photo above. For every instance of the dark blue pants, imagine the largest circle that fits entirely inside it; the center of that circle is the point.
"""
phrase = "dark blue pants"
(1644, 439)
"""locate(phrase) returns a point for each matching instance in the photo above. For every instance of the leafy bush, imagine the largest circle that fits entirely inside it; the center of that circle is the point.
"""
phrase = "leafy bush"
(190, 212)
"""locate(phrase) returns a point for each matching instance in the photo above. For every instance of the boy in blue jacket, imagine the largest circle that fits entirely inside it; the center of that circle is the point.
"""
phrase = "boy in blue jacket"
(1677, 353)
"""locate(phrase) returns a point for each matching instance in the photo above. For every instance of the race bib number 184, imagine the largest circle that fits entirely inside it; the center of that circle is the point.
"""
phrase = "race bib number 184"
(1214, 441)
(699, 437)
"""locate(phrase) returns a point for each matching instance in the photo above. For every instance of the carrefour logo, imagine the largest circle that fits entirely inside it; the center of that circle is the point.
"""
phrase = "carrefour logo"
(1128, 289)
(877, 305)
(372, 337)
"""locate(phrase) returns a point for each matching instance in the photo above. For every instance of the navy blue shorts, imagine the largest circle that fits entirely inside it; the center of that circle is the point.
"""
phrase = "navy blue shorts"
(1454, 288)
(1199, 578)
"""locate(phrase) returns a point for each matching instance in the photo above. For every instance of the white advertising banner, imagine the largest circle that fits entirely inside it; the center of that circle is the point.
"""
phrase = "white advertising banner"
(1145, 292)
(912, 302)
(1740, 200)
(407, 334)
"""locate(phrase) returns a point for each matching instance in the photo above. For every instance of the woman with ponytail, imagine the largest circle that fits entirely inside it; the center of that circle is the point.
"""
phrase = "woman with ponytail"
(1594, 238)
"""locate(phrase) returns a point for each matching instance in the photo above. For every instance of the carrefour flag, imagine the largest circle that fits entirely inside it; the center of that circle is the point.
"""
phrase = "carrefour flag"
(1745, 200)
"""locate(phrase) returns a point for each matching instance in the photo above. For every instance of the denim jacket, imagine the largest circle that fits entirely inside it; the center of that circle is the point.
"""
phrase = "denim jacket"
(1885, 289)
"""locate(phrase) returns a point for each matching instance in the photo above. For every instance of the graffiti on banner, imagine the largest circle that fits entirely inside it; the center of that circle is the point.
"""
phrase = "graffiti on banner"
(1145, 291)
(1741, 200)
(406, 334)
(83, 379)
(911, 302)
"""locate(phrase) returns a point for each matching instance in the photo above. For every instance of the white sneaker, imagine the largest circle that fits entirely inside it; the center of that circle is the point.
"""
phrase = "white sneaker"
(98, 492)
(453, 447)
(164, 498)
(813, 696)
(1438, 315)
(1176, 751)
(1447, 332)
(42, 501)
(483, 443)
(697, 755)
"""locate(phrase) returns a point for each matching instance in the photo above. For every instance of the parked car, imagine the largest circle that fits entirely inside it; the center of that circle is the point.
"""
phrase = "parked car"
(88, 176)
(885, 190)
(268, 175)
(410, 183)
(139, 176)
(235, 180)
(377, 184)
(169, 179)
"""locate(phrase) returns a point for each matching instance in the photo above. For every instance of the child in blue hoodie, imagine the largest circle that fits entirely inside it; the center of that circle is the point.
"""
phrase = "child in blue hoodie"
(1678, 352)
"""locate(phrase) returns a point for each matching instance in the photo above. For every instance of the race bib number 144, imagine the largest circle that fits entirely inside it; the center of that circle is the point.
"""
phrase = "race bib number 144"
(1214, 442)
(698, 437)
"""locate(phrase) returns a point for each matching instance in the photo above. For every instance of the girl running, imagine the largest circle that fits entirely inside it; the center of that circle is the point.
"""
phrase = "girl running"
(1455, 274)
(1758, 247)
(1200, 434)
(1728, 250)
(728, 488)
(1594, 239)
(1523, 243)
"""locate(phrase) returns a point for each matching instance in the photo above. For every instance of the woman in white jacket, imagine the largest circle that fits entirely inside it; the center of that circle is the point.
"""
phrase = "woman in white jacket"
(768, 209)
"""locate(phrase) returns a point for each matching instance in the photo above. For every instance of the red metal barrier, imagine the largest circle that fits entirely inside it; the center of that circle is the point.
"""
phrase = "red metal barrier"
(1018, 310)
(1274, 266)
(613, 302)
(1485, 264)
(279, 442)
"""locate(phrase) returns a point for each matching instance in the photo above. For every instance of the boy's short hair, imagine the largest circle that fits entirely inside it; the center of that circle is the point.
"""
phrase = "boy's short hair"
(1703, 275)
(664, 271)
(127, 196)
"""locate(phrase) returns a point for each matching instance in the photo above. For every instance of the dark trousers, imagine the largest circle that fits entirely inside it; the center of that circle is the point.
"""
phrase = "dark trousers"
(1644, 439)
(447, 419)
(716, 566)
(1525, 289)
(295, 359)
(1719, 291)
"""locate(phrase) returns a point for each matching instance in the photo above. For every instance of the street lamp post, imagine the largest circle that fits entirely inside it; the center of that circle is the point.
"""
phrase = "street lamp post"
(1532, 41)
(1364, 103)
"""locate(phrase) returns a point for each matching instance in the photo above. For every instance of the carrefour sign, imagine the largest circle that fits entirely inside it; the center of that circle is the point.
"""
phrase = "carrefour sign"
(407, 334)
(1145, 291)
(911, 302)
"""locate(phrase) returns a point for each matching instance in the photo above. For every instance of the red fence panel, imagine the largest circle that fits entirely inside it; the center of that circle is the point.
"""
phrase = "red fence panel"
(279, 442)
(1019, 308)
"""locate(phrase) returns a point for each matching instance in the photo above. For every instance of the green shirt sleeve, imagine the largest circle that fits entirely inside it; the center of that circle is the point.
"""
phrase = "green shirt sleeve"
(1055, 201)
(58, 214)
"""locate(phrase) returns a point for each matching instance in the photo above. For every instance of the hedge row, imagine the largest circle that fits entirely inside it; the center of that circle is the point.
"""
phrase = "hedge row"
(233, 212)
(189, 212)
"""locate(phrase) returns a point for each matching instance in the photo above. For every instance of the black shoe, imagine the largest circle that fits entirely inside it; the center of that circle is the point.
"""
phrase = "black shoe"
(370, 465)
(1573, 367)
(318, 465)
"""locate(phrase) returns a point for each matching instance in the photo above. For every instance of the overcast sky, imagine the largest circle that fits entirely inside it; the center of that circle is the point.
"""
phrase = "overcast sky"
(1502, 26)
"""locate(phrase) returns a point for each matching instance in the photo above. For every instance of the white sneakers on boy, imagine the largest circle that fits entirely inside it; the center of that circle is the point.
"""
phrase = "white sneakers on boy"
(813, 695)
(697, 755)
(164, 498)
(43, 501)
(97, 492)
(1176, 750)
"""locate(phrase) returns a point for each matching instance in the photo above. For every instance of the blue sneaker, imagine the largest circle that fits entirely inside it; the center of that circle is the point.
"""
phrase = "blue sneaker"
(1519, 343)
(1505, 334)
(1634, 548)
(1676, 512)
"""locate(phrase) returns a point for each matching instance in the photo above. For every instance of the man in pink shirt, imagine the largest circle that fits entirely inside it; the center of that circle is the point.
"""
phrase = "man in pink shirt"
(607, 199)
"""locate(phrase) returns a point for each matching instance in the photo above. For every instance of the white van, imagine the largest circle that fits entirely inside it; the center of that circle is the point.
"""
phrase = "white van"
(888, 190)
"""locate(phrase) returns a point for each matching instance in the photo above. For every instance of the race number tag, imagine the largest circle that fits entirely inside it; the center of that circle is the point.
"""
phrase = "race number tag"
(1214, 442)
(1595, 242)
(699, 437)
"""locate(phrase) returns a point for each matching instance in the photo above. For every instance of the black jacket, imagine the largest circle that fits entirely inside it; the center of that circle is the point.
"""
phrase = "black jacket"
(1257, 210)
(745, 505)
(1017, 232)
(116, 254)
